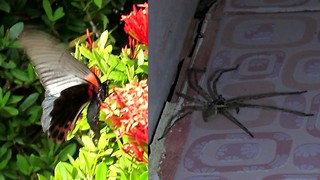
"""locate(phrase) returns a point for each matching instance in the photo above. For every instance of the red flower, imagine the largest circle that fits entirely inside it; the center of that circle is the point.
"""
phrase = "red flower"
(132, 54)
(130, 115)
(89, 43)
(136, 23)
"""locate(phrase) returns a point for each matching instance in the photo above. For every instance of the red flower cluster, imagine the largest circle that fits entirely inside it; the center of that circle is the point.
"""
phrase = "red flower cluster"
(130, 116)
(136, 24)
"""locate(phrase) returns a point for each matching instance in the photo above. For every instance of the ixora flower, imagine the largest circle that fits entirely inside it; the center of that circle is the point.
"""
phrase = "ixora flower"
(89, 43)
(136, 23)
(127, 108)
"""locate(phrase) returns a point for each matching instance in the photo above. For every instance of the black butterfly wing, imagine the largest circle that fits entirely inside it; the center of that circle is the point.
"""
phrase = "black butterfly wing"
(64, 111)
(69, 84)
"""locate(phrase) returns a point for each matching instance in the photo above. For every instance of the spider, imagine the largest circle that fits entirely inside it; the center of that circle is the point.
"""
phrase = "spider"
(213, 103)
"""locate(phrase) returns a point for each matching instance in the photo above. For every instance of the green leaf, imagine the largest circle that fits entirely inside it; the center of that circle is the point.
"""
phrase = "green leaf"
(106, 152)
(88, 143)
(20, 75)
(41, 177)
(34, 109)
(76, 5)
(9, 65)
(130, 73)
(23, 165)
(29, 101)
(104, 78)
(104, 39)
(101, 171)
(47, 8)
(72, 161)
(100, 60)
(142, 69)
(86, 53)
(33, 118)
(8, 111)
(98, 3)
(31, 74)
(108, 49)
(14, 99)
(5, 98)
(4, 6)
(105, 20)
(68, 150)
(128, 61)
(5, 156)
(144, 176)
(85, 161)
(58, 14)
(64, 170)
(118, 76)
(16, 30)
(115, 168)
(140, 57)
(103, 141)
(134, 175)
(115, 63)
(37, 162)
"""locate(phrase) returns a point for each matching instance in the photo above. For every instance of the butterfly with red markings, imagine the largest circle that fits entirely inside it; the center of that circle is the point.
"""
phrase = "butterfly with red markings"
(69, 85)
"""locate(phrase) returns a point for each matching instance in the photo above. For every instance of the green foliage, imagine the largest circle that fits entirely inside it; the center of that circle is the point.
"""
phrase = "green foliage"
(104, 160)
(66, 19)
(121, 69)
(51, 16)
(25, 151)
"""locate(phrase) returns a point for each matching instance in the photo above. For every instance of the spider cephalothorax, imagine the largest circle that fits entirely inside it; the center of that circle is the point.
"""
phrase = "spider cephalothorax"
(212, 103)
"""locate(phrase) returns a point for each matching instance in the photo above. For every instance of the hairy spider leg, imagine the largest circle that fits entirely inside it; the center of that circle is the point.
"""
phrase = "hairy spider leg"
(235, 121)
(212, 89)
(170, 125)
(263, 95)
(198, 89)
(190, 98)
(194, 85)
(239, 102)
(179, 116)
(247, 105)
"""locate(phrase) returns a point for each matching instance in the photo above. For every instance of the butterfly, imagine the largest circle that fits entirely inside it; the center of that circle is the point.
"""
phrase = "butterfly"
(69, 84)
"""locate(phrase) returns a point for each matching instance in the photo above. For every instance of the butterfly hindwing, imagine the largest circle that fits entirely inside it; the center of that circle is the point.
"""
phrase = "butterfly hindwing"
(66, 110)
